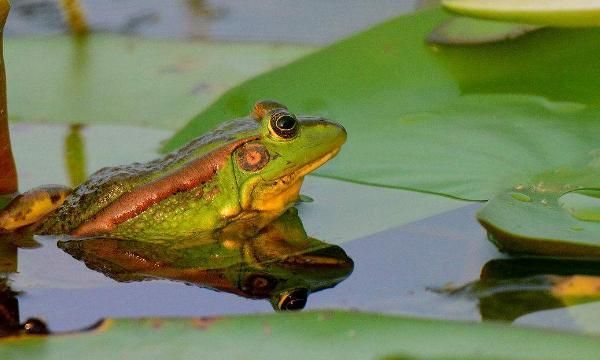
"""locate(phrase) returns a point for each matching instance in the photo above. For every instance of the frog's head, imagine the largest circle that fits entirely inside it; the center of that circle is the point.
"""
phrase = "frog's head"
(270, 170)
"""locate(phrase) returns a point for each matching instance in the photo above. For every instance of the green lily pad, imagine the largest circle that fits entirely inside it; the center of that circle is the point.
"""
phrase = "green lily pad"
(571, 13)
(312, 335)
(462, 122)
(546, 215)
(468, 31)
(117, 79)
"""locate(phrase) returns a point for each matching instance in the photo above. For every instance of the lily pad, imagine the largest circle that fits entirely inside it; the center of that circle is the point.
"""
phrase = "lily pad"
(533, 216)
(461, 30)
(335, 335)
(118, 79)
(571, 13)
(462, 122)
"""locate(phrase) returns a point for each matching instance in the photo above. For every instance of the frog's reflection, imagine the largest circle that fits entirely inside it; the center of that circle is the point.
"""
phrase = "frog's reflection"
(510, 288)
(281, 263)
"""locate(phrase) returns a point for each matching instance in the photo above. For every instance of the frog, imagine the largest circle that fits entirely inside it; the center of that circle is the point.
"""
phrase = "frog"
(233, 180)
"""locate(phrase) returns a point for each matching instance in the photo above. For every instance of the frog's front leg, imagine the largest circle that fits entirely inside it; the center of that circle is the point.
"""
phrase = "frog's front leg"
(32, 206)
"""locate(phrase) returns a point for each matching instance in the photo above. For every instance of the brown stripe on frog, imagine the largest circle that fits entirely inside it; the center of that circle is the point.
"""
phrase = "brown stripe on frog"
(141, 198)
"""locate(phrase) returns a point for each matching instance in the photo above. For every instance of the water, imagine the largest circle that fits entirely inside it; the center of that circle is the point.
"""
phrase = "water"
(311, 21)
(583, 205)
(412, 253)
(402, 265)
(63, 291)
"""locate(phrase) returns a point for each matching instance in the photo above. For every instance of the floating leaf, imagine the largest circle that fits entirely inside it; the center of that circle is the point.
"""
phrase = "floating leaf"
(534, 217)
(118, 79)
(463, 122)
(334, 335)
(467, 31)
(571, 13)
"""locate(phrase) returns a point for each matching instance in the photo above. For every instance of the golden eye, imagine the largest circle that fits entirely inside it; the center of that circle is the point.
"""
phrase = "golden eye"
(284, 124)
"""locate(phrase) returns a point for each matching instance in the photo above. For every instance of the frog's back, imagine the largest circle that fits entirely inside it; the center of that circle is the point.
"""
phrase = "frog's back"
(107, 185)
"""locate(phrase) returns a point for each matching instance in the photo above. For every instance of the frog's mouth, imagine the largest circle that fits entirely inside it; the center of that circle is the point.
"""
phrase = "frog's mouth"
(279, 193)
(308, 168)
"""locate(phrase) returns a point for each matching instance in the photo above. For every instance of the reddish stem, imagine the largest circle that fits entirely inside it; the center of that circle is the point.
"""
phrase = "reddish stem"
(8, 171)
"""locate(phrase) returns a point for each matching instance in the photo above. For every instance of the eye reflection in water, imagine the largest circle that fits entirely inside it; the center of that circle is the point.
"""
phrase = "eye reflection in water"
(511, 288)
(281, 263)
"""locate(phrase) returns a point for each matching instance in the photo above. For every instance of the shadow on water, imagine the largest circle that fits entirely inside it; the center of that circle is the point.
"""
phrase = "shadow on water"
(512, 288)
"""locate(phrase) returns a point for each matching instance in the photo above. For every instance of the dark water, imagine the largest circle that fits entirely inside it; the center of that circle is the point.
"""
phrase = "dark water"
(392, 274)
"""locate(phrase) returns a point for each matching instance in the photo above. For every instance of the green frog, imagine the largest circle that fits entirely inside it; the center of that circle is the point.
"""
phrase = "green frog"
(235, 180)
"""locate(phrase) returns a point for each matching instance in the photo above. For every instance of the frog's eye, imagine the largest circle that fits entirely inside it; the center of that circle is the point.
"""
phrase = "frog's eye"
(283, 124)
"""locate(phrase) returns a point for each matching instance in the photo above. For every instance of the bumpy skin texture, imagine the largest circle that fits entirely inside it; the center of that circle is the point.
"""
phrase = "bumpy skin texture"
(109, 184)
(236, 179)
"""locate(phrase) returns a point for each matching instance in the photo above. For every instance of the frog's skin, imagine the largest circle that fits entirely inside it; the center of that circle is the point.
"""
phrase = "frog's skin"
(235, 179)
(281, 263)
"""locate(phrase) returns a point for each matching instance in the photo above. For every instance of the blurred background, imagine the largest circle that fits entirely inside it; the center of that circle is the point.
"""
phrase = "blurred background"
(286, 21)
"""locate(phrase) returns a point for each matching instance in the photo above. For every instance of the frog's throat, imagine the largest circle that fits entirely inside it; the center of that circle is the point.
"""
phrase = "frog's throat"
(278, 194)
(133, 203)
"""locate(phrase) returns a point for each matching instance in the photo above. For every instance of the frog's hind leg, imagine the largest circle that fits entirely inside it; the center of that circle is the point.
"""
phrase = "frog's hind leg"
(31, 206)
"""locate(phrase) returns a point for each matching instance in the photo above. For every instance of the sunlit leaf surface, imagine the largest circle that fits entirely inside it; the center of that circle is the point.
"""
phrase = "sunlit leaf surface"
(117, 79)
(571, 13)
(463, 122)
(334, 335)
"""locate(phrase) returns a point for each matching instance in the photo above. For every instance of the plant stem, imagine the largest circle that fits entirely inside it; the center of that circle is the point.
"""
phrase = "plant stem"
(75, 16)
(8, 172)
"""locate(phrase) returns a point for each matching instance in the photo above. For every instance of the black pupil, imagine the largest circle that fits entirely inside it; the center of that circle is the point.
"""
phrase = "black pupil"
(286, 122)
(296, 300)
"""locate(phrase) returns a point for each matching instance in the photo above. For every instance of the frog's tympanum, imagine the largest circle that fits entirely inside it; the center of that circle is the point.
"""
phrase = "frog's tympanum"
(236, 179)
(511, 288)
(281, 263)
